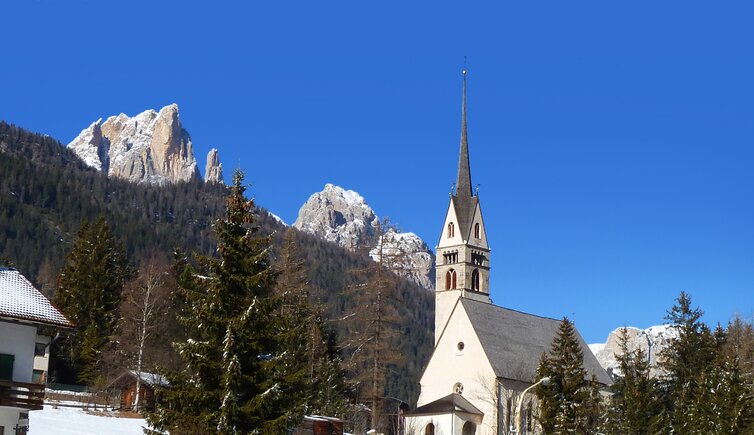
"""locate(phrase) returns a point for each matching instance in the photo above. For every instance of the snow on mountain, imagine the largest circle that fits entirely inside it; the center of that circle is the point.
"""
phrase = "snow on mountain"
(151, 147)
(339, 216)
(343, 217)
(652, 341)
(409, 254)
(277, 218)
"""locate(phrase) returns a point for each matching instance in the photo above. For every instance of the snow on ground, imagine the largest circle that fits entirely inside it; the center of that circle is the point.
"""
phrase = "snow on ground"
(64, 421)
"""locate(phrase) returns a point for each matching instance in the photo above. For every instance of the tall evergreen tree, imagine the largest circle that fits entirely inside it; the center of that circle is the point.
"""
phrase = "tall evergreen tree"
(632, 408)
(569, 403)
(89, 291)
(235, 378)
(687, 360)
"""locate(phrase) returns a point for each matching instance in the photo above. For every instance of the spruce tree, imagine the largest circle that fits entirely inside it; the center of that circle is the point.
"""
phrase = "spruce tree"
(570, 401)
(89, 291)
(687, 361)
(632, 408)
(235, 378)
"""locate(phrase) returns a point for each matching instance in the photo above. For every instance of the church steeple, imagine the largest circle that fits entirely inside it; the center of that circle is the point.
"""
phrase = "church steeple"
(463, 256)
(463, 184)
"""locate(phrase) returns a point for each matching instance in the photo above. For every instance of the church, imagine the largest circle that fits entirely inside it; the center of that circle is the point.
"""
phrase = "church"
(485, 356)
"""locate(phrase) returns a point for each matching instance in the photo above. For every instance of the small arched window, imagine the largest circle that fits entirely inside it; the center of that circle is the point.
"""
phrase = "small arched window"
(475, 280)
(477, 230)
(450, 279)
(469, 428)
(451, 230)
(430, 429)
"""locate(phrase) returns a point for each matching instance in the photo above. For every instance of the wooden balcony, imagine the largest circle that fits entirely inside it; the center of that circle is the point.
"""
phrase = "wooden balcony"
(21, 395)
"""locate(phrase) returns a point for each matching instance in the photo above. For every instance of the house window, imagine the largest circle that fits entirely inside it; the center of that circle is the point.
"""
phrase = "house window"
(475, 280)
(38, 377)
(451, 230)
(469, 428)
(476, 230)
(6, 367)
(39, 349)
(450, 279)
(430, 429)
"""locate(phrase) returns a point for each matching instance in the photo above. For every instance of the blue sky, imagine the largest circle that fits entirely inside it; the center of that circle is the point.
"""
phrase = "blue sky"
(613, 143)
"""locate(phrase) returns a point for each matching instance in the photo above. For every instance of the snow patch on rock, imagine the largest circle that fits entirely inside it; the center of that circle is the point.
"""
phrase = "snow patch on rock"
(343, 217)
(652, 341)
(151, 147)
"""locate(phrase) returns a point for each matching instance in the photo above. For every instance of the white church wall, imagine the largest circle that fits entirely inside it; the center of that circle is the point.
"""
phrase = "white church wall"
(468, 366)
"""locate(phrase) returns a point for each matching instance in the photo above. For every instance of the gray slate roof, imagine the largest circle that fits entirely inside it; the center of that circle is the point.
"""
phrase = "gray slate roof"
(514, 341)
(450, 403)
(20, 300)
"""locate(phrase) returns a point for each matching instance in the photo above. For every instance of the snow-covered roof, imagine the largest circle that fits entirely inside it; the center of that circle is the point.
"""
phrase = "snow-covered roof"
(149, 378)
(20, 300)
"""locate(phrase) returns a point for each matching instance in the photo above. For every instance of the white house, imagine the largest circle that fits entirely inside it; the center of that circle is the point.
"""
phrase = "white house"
(24, 352)
(485, 355)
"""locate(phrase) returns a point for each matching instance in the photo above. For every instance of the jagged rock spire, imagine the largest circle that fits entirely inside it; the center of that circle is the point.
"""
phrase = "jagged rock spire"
(463, 184)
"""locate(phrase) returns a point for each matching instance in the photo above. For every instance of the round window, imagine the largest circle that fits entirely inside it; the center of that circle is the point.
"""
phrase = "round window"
(461, 345)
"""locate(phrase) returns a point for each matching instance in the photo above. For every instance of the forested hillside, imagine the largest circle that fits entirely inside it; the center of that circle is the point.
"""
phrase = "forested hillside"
(46, 192)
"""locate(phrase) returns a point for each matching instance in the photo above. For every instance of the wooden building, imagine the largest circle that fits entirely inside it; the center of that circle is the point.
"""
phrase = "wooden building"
(318, 425)
(127, 384)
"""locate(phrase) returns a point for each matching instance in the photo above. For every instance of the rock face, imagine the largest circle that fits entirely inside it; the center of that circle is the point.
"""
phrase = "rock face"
(151, 147)
(652, 341)
(339, 216)
(213, 173)
(343, 217)
(409, 256)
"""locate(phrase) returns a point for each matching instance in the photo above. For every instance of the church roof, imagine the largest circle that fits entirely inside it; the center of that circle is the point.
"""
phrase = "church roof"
(514, 341)
(464, 201)
(464, 207)
(450, 403)
(463, 183)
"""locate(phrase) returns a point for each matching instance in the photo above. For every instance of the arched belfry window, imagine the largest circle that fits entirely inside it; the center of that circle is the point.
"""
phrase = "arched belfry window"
(477, 230)
(475, 280)
(430, 429)
(451, 229)
(450, 279)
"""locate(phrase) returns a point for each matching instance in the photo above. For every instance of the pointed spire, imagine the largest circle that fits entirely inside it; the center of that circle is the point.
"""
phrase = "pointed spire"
(463, 184)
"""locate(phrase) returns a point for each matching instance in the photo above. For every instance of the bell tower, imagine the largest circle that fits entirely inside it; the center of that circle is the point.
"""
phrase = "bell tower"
(462, 255)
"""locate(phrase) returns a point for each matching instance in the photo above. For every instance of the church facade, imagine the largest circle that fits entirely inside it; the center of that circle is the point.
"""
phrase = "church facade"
(485, 355)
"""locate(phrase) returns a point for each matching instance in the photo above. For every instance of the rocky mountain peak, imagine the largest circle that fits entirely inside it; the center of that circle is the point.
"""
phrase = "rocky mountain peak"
(339, 216)
(652, 341)
(213, 172)
(151, 147)
(343, 217)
